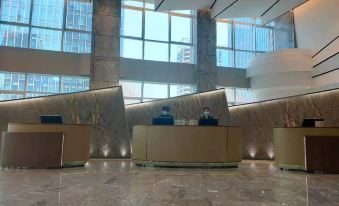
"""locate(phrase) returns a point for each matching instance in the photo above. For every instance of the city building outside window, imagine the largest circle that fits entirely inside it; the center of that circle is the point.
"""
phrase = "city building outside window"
(57, 25)
(22, 85)
(240, 39)
(156, 36)
(137, 92)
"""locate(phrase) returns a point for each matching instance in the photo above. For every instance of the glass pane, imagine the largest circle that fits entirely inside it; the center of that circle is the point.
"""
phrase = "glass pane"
(149, 100)
(131, 101)
(230, 95)
(225, 58)
(149, 6)
(77, 42)
(181, 29)
(131, 89)
(14, 36)
(79, 15)
(45, 39)
(245, 20)
(156, 26)
(74, 84)
(187, 12)
(264, 41)
(156, 51)
(12, 81)
(181, 53)
(42, 83)
(153, 90)
(4, 96)
(15, 10)
(132, 3)
(243, 95)
(243, 58)
(131, 23)
(130, 48)
(179, 90)
(244, 38)
(30, 95)
(224, 34)
(48, 13)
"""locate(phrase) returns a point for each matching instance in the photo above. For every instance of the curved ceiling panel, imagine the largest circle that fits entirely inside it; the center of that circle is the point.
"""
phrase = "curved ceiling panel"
(246, 8)
(267, 10)
(281, 7)
(167, 5)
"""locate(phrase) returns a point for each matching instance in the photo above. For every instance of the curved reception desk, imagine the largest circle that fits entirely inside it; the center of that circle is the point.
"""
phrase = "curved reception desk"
(45, 145)
(187, 146)
(308, 149)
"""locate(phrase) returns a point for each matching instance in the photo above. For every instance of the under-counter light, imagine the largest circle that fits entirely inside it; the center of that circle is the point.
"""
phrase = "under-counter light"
(270, 154)
(123, 151)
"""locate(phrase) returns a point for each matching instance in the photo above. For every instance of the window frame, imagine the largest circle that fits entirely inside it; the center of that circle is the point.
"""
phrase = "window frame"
(142, 97)
(169, 42)
(25, 92)
(254, 26)
(63, 30)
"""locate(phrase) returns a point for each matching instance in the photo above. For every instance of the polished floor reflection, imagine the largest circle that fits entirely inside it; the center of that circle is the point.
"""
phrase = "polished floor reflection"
(115, 182)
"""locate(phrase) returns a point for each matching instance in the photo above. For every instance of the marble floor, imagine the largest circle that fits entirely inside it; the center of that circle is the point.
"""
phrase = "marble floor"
(119, 182)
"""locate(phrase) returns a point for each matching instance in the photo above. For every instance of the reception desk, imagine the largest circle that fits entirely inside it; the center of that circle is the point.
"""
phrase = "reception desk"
(74, 141)
(201, 146)
(308, 149)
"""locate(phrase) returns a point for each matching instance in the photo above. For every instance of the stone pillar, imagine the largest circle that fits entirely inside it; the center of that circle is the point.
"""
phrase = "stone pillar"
(206, 51)
(105, 43)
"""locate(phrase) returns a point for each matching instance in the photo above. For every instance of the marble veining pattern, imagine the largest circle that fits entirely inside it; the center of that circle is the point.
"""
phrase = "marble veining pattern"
(120, 183)
(184, 107)
(102, 109)
(258, 120)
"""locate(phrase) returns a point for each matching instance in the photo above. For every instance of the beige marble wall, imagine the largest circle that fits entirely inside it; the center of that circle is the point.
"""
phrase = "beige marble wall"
(184, 107)
(258, 120)
(102, 109)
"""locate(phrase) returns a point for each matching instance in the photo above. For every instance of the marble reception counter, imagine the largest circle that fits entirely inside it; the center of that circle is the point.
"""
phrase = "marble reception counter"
(202, 146)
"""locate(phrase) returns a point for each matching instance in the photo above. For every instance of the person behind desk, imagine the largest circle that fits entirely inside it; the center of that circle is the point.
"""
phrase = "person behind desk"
(206, 119)
(166, 112)
(206, 114)
(165, 118)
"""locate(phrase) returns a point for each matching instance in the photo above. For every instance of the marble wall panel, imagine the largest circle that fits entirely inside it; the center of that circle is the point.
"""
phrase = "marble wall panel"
(183, 107)
(102, 109)
(258, 119)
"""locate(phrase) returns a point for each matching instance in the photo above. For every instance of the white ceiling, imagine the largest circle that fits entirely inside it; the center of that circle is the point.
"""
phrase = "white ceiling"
(267, 10)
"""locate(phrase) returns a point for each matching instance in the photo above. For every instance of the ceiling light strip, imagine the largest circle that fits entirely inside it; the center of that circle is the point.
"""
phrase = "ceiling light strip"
(225, 9)
(156, 9)
(269, 8)
(215, 1)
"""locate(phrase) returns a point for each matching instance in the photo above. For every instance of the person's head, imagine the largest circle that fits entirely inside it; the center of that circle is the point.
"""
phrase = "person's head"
(206, 111)
(165, 110)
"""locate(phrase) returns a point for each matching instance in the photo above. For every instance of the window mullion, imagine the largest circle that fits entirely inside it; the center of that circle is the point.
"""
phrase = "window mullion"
(30, 24)
(169, 36)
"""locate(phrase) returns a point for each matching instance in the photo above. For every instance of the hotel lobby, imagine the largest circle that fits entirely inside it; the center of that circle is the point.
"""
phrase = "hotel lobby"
(167, 102)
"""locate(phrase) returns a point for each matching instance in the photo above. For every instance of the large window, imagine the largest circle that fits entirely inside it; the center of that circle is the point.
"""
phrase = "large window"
(157, 36)
(236, 96)
(136, 92)
(238, 40)
(21, 85)
(57, 25)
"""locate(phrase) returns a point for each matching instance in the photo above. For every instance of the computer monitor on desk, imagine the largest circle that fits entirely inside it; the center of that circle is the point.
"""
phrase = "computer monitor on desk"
(163, 121)
(208, 122)
(51, 119)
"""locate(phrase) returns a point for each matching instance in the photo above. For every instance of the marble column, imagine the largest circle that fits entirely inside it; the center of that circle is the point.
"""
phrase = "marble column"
(206, 51)
(105, 43)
